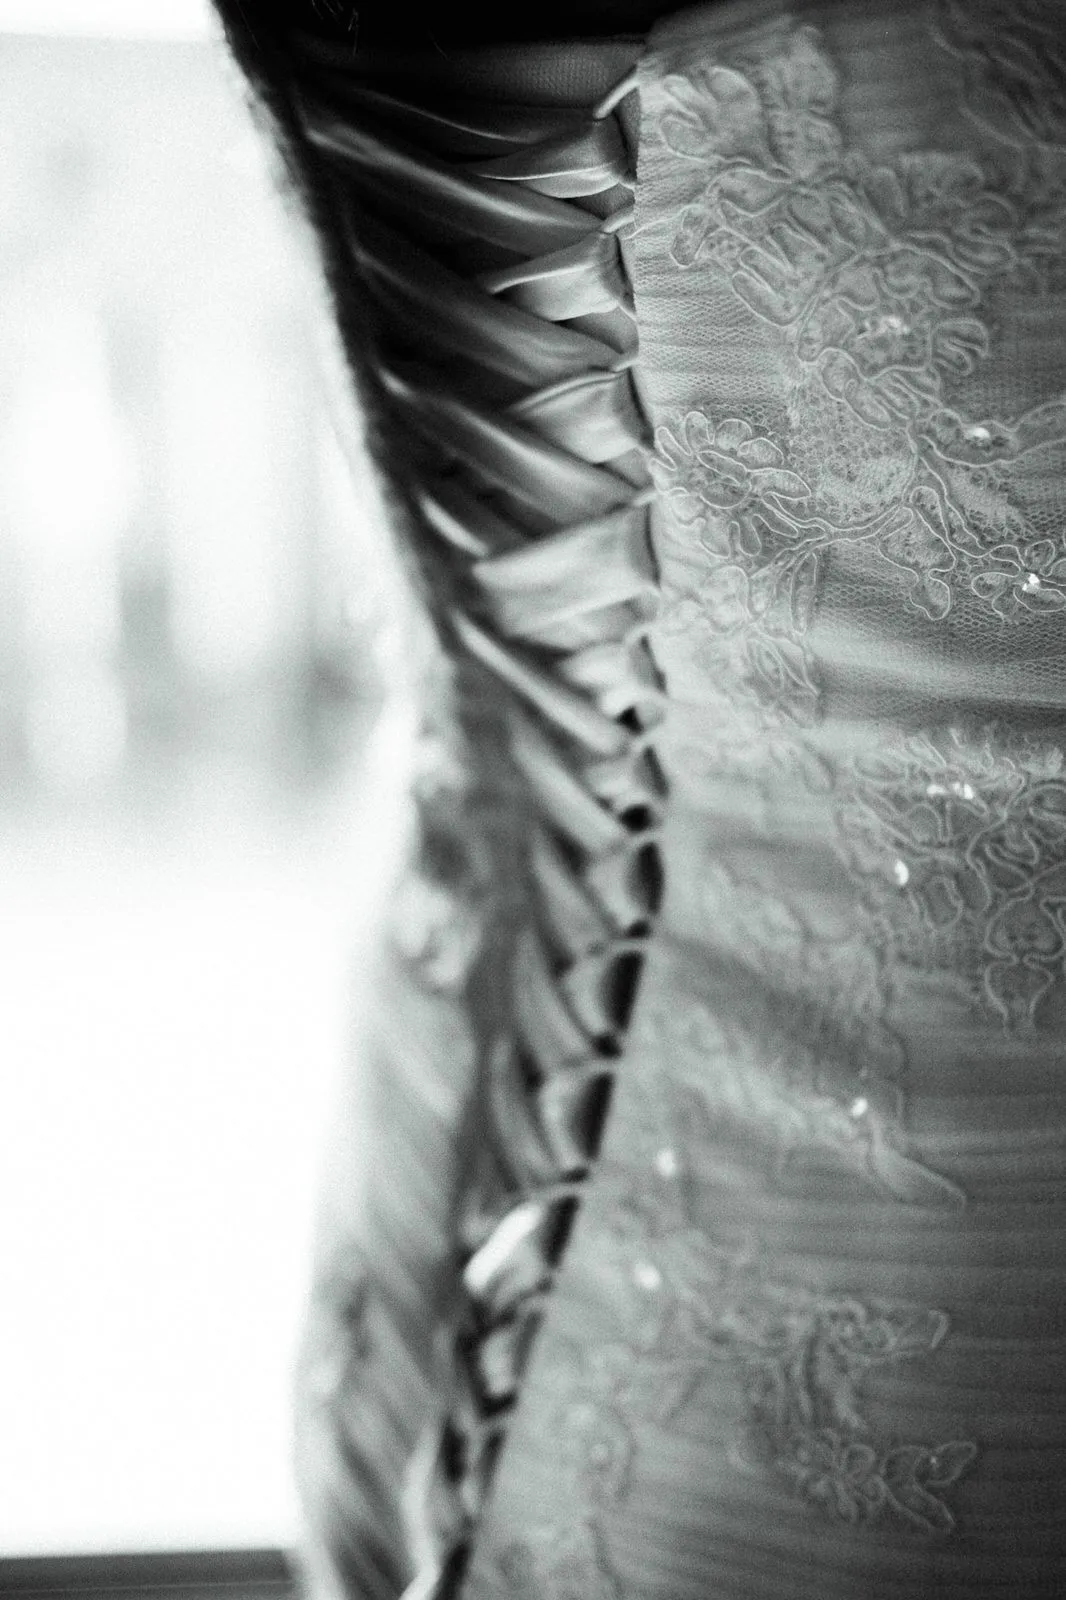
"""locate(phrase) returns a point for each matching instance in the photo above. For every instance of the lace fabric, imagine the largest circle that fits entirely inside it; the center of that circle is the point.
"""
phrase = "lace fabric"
(807, 1338)
(738, 481)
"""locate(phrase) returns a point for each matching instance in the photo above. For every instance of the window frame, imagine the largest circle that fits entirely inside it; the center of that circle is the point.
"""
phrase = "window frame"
(231, 1574)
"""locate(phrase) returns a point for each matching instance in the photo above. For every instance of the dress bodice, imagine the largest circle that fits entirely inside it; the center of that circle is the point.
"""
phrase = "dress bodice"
(808, 1338)
(746, 505)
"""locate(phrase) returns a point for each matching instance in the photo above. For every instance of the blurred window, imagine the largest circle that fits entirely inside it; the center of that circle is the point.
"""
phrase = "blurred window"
(186, 594)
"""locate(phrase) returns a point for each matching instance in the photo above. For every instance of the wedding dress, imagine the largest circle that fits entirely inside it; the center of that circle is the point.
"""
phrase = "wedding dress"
(716, 1240)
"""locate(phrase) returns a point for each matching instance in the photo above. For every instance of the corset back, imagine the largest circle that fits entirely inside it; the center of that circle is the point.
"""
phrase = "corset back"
(731, 365)
(808, 1337)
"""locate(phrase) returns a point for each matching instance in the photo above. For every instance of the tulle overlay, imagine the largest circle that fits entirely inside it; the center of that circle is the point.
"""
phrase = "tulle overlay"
(731, 394)
(808, 1338)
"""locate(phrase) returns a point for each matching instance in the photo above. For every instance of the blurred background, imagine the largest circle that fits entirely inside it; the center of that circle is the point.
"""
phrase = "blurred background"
(191, 606)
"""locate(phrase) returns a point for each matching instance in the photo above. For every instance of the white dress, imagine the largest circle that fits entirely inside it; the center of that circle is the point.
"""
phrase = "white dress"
(743, 515)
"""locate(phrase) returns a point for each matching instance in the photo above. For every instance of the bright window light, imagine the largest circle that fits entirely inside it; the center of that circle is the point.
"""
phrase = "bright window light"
(194, 840)
(135, 19)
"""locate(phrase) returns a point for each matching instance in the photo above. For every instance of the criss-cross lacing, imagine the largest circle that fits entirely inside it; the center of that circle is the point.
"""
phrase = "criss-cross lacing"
(485, 238)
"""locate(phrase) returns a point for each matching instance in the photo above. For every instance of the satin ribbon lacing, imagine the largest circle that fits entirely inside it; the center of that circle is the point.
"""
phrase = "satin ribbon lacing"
(486, 238)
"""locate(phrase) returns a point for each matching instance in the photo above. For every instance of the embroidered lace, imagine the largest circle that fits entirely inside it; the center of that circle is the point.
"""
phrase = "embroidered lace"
(757, 666)
(790, 1347)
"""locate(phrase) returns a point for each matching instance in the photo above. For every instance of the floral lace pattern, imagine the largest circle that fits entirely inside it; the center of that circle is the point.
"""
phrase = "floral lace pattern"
(851, 353)
(557, 1563)
(800, 1359)
(807, 1059)
(962, 844)
(732, 497)
(731, 490)
(874, 277)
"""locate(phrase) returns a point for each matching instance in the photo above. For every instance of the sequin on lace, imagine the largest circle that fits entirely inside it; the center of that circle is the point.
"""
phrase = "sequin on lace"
(875, 277)
(980, 819)
(866, 458)
(800, 1359)
(807, 1061)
